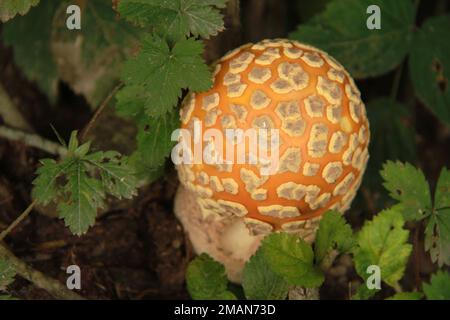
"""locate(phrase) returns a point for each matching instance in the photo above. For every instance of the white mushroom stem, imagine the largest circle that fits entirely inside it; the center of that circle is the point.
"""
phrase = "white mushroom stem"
(226, 239)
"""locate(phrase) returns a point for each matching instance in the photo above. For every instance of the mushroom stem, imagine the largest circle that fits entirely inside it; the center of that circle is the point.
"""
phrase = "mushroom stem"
(226, 239)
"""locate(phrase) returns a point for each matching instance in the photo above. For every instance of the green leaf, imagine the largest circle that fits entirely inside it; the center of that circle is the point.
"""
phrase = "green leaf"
(437, 231)
(408, 185)
(341, 31)
(157, 75)
(442, 195)
(439, 286)
(7, 297)
(333, 233)
(429, 65)
(30, 38)
(154, 138)
(206, 279)
(383, 242)
(394, 139)
(406, 296)
(177, 18)
(291, 258)
(81, 181)
(10, 8)
(364, 293)
(86, 195)
(90, 59)
(7, 274)
(260, 282)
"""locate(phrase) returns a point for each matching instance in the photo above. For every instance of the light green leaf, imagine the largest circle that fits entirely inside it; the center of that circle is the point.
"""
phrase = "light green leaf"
(177, 18)
(7, 274)
(364, 293)
(157, 75)
(408, 185)
(439, 286)
(429, 65)
(29, 37)
(383, 242)
(333, 233)
(154, 137)
(260, 282)
(341, 31)
(206, 280)
(10, 8)
(406, 296)
(291, 258)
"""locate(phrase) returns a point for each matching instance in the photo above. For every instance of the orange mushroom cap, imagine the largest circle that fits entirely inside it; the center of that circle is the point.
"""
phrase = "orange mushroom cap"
(323, 130)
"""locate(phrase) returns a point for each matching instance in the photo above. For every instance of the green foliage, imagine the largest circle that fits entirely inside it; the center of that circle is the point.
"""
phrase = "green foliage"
(430, 66)
(383, 242)
(176, 19)
(406, 296)
(9, 9)
(90, 59)
(29, 36)
(341, 31)
(206, 280)
(439, 286)
(333, 234)
(393, 138)
(437, 231)
(154, 138)
(408, 185)
(80, 182)
(292, 258)
(262, 283)
(7, 274)
(154, 78)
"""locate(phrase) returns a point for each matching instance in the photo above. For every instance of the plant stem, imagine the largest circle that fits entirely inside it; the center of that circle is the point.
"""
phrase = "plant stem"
(98, 111)
(18, 220)
(52, 286)
(396, 81)
(32, 140)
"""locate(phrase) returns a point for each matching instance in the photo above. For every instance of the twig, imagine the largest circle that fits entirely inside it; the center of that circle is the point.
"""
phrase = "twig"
(32, 140)
(97, 113)
(18, 220)
(52, 286)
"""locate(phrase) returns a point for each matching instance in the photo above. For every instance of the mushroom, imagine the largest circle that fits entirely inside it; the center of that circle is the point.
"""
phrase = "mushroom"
(311, 106)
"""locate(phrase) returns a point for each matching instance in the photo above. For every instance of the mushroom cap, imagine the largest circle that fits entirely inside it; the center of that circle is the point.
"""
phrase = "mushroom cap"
(316, 108)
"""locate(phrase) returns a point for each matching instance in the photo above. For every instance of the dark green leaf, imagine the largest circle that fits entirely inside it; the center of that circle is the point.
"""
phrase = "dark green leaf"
(260, 282)
(393, 139)
(177, 18)
(154, 78)
(333, 233)
(383, 242)
(430, 66)
(341, 30)
(408, 185)
(10, 8)
(291, 258)
(206, 280)
(439, 286)
(30, 38)
(90, 59)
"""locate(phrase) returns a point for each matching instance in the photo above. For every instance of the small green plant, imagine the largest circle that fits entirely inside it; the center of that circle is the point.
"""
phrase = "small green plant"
(284, 262)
